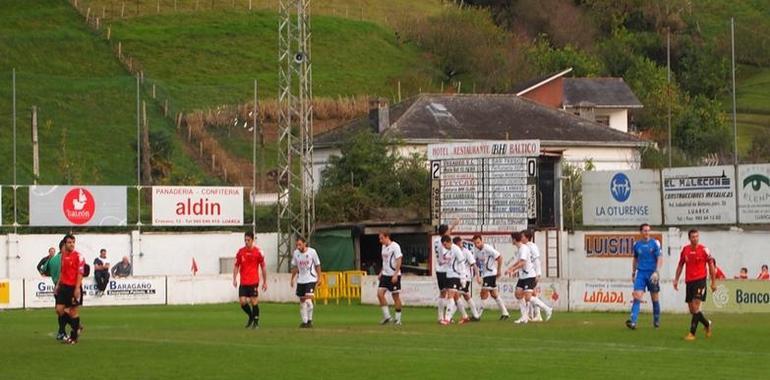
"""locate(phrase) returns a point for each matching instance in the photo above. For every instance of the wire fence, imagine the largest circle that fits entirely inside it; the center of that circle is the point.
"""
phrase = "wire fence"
(382, 12)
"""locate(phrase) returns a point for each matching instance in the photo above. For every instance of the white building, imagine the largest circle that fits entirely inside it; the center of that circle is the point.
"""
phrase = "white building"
(434, 118)
(607, 101)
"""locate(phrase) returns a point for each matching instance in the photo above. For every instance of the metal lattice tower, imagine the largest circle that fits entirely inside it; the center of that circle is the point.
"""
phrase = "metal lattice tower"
(296, 206)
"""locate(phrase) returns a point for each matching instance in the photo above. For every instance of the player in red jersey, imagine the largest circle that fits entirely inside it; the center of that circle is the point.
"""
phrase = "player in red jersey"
(247, 262)
(68, 290)
(698, 259)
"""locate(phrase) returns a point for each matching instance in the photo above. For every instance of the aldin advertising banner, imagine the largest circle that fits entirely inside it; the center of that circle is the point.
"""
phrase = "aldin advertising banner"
(197, 206)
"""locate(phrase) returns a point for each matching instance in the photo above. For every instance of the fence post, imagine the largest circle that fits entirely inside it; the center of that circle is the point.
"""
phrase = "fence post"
(123, 10)
(109, 32)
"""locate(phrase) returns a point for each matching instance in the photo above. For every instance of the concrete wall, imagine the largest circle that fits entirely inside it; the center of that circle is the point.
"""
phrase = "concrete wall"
(604, 158)
(732, 249)
(153, 254)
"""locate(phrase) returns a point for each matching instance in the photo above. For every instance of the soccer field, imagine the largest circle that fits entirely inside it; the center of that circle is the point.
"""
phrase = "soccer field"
(208, 342)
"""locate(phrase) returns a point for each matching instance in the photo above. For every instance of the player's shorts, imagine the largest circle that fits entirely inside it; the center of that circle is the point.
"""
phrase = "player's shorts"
(489, 283)
(441, 280)
(466, 289)
(306, 290)
(454, 284)
(386, 282)
(66, 296)
(643, 281)
(528, 284)
(696, 290)
(248, 291)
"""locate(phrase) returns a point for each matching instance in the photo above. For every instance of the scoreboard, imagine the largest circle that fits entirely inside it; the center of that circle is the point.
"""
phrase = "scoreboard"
(490, 186)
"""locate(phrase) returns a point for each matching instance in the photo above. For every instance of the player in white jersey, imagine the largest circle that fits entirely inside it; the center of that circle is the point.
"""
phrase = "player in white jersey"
(306, 265)
(390, 277)
(456, 259)
(465, 298)
(534, 312)
(438, 261)
(526, 273)
(490, 269)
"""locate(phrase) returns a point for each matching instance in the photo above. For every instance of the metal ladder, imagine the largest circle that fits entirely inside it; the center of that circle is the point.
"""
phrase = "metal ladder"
(552, 268)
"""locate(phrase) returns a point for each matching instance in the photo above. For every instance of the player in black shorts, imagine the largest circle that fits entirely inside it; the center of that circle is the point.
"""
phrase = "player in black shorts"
(698, 260)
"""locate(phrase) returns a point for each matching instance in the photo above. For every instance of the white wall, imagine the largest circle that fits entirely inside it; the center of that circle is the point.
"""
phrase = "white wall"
(154, 254)
(4, 260)
(24, 251)
(618, 117)
(732, 249)
(172, 254)
(320, 160)
(604, 158)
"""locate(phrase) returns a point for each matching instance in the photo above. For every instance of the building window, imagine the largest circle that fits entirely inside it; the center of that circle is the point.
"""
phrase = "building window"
(603, 119)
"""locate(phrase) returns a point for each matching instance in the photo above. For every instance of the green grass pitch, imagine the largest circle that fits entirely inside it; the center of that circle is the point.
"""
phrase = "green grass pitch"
(209, 342)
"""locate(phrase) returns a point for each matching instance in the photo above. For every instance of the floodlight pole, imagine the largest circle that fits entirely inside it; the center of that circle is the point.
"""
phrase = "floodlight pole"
(735, 119)
(138, 159)
(254, 165)
(15, 182)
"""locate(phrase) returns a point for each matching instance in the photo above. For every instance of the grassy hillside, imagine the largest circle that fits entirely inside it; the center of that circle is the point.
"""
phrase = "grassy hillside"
(206, 59)
(382, 12)
(82, 92)
(752, 41)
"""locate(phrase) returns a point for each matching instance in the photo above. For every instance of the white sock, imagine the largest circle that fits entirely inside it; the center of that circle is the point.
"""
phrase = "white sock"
(441, 306)
(524, 308)
(303, 311)
(385, 311)
(501, 305)
(539, 303)
(481, 307)
(475, 312)
(450, 309)
(310, 308)
(398, 316)
(461, 304)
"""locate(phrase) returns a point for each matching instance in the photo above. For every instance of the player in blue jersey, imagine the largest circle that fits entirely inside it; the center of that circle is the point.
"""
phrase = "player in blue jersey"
(647, 262)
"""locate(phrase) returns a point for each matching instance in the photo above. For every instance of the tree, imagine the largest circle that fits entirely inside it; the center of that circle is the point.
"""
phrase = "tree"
(572, 197)
(548, 59)
(702, 69)
(370, 174)
(467, 45)
(703, 129)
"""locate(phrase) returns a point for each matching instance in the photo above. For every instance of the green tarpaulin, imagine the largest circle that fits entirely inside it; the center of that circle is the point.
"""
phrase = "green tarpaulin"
(335, 249)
